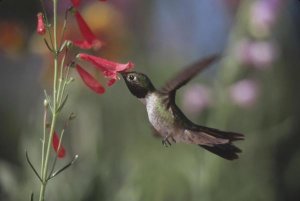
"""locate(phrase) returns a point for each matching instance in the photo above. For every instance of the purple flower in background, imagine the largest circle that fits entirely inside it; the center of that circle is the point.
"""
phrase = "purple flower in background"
(196, 98)
(262, 54)
(263, 14)
(244, 93)
(259, 54)
(242, 52)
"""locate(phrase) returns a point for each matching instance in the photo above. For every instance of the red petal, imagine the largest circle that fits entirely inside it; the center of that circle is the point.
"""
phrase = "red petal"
(83, 44)
(40, 29)
(97, 44)
(105, 65)
(123, 67)
(85, 29)
(90, 81)
(99, 62)
(111, 82)
(91, 41)
(55, 143)
(75, 3)
(110, 74)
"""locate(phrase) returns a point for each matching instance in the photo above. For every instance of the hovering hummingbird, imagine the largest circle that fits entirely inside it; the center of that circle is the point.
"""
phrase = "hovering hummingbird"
(168, 120)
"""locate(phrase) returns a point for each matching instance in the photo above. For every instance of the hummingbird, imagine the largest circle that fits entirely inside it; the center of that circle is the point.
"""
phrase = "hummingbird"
(169, 122)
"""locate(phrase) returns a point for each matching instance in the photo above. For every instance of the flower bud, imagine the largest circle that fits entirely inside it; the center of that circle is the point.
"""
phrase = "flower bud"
(41, 28)
(46, 103)
(72, 116)
(69, 44)
(71, 79)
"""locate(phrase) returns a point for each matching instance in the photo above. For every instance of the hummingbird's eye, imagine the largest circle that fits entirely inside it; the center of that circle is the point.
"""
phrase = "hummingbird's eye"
(131, 77)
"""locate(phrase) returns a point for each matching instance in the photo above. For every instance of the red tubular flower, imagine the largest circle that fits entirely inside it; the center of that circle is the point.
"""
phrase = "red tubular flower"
(91, 41)
(75, 3)
(109, 69)
(105, 65)
(90, 81)
(41, 28)
(55, 143)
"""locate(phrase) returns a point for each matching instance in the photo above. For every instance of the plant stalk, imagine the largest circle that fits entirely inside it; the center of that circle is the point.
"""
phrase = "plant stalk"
(54, 103)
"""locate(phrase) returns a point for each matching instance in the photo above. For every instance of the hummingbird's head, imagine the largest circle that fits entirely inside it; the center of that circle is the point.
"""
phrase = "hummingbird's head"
(138, 83)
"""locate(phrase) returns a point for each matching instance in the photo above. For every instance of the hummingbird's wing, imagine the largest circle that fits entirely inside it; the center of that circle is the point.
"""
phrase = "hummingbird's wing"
(184, 76)
(187, 74)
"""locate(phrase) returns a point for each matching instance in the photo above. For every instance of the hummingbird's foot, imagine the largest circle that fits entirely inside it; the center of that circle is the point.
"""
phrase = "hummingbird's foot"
(166, 141)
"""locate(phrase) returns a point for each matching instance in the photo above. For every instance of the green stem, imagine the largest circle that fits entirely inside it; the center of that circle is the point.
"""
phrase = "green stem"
(42, 192)
(56, 155)
(54, 114)
(44, 136)
(61, 77)
(64, 29)
(64, 84)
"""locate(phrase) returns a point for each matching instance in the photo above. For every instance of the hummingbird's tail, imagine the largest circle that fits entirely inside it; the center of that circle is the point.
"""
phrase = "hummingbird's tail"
(228, 150)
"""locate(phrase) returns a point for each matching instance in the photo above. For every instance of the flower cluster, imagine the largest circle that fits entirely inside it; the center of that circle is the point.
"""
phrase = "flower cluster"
(90, 40)
(257, 49)
(109, 69)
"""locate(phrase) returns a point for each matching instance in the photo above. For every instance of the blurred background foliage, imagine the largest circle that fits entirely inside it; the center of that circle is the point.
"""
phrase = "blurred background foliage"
(252, 90)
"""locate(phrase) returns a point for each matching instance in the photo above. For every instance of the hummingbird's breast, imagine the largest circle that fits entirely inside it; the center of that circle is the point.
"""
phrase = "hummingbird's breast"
(161, 118)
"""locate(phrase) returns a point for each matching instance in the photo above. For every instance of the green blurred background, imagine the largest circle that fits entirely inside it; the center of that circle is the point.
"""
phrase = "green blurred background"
(252, 90)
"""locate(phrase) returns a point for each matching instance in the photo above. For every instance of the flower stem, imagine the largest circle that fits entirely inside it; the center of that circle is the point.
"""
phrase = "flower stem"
(44, 136)
(54, 103)
(61, 76)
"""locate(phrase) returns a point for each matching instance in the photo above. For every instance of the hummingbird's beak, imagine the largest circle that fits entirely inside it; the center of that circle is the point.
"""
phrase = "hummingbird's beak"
(123, 74)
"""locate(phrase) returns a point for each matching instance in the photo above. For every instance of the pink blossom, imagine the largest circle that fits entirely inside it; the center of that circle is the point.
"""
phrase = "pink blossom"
(263, 14)
(196, 98)
(258, 54)
(262, 54)
(244, 93)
